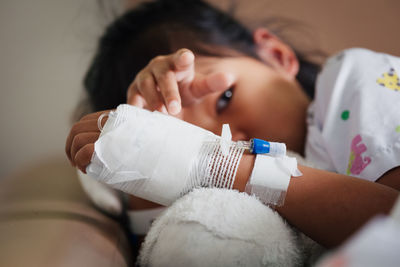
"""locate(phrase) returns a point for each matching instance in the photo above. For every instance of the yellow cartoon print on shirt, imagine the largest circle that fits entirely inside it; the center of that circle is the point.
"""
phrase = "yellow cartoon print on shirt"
(390, 80)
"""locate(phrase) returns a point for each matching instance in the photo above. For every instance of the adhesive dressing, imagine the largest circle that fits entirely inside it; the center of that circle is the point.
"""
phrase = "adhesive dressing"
(270, 178)
(160, 158)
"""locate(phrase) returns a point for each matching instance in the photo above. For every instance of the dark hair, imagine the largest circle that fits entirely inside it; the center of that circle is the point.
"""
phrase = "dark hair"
(161, 27)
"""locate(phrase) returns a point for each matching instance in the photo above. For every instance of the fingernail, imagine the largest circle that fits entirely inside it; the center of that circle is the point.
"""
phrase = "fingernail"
(186, 56)
(174, 107)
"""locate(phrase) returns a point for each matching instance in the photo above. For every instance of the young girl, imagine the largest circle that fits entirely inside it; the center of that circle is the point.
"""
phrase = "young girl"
(189, 60)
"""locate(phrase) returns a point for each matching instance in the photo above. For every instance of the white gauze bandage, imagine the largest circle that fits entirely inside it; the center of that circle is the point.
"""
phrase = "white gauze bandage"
(159, 157)
(270, 178)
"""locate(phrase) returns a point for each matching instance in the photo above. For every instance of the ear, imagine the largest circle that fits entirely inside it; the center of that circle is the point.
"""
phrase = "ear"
(275, 52)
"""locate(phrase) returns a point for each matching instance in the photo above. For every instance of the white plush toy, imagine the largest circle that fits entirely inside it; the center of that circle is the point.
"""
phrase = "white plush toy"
(219, 227)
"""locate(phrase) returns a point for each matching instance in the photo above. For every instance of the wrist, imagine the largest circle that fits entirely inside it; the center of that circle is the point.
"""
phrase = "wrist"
(244, 171)
(266, 177)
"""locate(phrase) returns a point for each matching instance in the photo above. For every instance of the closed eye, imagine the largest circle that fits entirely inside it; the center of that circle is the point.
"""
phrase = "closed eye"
(224, 100)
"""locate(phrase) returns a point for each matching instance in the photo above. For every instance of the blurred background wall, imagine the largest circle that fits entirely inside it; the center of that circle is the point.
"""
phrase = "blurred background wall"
(45, 48)
(46, 45)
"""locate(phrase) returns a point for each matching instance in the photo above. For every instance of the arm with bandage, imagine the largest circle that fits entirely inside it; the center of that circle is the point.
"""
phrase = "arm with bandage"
(160, 158)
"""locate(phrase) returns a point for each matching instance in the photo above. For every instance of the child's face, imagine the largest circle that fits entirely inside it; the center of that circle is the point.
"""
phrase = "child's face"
(264, 103)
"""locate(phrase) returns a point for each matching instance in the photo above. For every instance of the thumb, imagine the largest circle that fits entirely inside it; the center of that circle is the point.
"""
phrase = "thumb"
(215, 82)
(182, 60)
(183, 64)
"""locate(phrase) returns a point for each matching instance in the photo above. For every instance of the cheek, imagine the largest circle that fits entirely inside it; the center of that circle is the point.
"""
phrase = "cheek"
(264, 111)
(246, 115)
(199, 115)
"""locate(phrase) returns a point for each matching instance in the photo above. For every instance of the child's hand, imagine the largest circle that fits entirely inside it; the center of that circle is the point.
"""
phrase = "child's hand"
(170, 81)
(80, 141)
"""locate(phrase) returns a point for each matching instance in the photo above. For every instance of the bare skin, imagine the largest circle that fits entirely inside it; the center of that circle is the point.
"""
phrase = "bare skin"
(329, 207)
(265, 101)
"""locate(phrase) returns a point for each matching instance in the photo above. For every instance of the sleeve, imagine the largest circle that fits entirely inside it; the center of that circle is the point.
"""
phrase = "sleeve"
(354, 124)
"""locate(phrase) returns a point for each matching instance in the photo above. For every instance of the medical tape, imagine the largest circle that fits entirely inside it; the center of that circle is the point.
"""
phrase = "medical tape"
(217, 163)
(159, 158)
(100, 119)
(270, 178)
(213, 168)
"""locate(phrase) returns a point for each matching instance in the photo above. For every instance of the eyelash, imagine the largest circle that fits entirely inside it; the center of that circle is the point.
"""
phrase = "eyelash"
(224, 100)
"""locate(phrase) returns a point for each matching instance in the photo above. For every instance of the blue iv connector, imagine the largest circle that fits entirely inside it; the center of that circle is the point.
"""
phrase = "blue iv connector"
(259, 146)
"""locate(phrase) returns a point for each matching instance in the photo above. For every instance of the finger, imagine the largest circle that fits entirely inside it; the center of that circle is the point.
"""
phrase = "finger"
(131, 92)
(94, 115)
(77, 128)
(82, 139)
(180, 69)
(134, 98)
(147, 88)
(183, 63)
(138, 101)
(183, 60)
(83, 157)
(216, 82)
(163, 109)
(167, 83)
(133, 95)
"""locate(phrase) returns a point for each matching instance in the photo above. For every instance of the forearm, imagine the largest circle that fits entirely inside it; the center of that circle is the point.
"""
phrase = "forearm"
(391, 178)
(327, 207)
